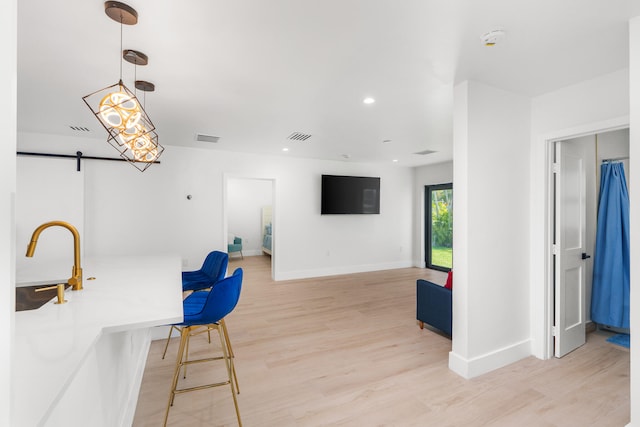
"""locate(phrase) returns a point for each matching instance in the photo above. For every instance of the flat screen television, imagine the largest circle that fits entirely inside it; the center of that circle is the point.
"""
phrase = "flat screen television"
(350, 195)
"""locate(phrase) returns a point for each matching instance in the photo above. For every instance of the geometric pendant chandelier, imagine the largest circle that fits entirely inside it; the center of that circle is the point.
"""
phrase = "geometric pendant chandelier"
(129, 128)
(145, 150)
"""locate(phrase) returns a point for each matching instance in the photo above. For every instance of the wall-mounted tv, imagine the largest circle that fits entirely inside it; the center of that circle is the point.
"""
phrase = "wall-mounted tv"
(350, 195)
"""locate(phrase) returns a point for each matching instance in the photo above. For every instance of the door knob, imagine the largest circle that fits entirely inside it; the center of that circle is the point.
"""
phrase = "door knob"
(585, 256)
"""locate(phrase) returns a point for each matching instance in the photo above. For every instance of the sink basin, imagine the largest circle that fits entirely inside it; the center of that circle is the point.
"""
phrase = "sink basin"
(28, 299)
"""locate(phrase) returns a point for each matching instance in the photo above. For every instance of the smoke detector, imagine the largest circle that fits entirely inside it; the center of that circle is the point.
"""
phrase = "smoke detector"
(492, 37)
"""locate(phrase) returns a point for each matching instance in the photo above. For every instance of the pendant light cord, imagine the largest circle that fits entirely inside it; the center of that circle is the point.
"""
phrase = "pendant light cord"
(135, 86)
(135, 78)
(120, 53)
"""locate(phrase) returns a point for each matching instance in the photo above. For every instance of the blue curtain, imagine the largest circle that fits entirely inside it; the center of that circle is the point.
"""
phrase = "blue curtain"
(610, 293)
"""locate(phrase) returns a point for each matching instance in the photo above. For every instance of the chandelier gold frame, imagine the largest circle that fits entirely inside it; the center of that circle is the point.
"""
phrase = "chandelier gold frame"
(129, 128)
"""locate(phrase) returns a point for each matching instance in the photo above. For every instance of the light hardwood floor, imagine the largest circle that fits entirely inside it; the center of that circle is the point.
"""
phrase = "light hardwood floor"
(347, 351)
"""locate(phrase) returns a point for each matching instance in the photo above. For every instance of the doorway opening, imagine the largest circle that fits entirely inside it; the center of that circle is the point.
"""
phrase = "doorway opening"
(439, 226)
(249, 217)
(574, 166)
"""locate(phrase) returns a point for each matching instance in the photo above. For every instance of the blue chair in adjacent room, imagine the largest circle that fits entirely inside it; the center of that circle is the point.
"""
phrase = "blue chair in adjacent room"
(236, 246)
(205, 311)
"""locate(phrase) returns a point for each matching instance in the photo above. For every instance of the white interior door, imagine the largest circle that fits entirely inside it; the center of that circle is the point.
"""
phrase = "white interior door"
(570, 236)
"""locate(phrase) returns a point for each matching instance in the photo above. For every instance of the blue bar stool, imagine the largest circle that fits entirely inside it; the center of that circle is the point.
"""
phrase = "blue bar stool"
(213, 269)
(203, 315)
(197, 299)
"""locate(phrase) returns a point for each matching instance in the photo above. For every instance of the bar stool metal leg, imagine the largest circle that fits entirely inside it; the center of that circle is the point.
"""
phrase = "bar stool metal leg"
(184, 334)
(168, 339)
(182, 361)
(230, 369)
(226, 337)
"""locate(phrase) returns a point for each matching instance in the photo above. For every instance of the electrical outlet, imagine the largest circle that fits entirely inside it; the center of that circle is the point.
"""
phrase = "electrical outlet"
(185, 263)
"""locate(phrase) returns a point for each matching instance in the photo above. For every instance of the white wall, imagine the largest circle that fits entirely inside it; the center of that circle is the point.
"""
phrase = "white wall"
(128, 212)
(585, 108)
(60, 197)
(592, 101)
(8, 111)
(245, 199)
(634, 179)
(490, 230)
(440, 173)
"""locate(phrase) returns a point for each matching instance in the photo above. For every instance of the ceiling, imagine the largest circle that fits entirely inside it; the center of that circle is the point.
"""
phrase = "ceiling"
(253, 72)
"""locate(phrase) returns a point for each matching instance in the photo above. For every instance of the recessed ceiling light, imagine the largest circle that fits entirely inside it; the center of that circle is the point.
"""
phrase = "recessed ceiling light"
(285, 149)
(395, 160)
(368, 100)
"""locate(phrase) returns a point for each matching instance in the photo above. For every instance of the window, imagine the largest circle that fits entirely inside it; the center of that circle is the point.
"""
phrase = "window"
(439, 226)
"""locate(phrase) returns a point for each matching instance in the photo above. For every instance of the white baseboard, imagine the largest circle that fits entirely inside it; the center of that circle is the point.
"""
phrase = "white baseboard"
(470, 368)
(250, 252)
(333, 271)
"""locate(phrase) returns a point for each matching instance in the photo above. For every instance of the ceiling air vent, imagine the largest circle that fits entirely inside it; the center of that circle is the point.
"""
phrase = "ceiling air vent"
(80, 128)
(299, 136)
(425, 152)
(207, 138)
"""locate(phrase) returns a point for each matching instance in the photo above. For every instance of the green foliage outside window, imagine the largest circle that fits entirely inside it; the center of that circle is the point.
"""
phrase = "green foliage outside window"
(441, 219)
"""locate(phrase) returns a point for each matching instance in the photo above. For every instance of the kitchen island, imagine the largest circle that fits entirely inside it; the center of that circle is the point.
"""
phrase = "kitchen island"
(81, 363)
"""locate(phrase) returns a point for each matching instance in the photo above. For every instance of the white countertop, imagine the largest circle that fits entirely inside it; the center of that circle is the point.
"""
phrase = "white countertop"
(50, 343)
